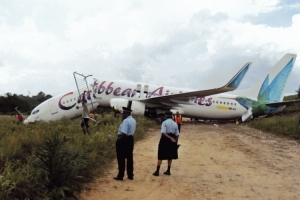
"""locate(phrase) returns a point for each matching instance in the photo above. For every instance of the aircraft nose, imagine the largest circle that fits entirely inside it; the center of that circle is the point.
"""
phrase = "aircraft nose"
(27, 120)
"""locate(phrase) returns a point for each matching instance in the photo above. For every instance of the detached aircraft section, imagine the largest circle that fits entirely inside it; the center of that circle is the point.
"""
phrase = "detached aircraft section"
(264, 98)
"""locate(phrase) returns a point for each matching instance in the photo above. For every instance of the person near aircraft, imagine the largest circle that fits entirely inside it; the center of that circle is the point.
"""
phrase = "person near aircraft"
(125, 144)
(93, 116)
(178, 120)
(85, 115)
(167, 147)
(20, 117)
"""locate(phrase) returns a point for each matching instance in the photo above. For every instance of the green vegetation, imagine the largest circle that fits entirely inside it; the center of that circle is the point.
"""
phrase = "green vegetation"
(285, 124)
(281, 125)
(55, 160)
(25, 104)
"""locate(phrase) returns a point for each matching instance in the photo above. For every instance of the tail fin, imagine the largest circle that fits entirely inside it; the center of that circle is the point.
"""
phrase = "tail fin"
(271, 88)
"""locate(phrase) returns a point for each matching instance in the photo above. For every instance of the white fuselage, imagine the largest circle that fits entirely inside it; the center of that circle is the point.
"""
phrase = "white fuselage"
(221, 106)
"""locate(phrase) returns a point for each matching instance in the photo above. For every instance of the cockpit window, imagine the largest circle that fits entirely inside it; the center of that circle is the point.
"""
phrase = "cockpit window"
(35, 111)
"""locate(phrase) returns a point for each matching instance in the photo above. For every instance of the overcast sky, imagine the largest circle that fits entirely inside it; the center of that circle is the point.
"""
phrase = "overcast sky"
(193, 44)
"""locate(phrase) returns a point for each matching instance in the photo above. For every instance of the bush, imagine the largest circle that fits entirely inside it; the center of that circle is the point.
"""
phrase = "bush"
(50, 160)
(61, 166)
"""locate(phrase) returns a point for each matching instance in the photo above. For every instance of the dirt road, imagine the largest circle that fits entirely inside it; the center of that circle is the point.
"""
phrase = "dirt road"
(224, 161)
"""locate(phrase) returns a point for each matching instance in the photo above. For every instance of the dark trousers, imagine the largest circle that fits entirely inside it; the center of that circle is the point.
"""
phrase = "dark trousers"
(124, 148)
(179, 125)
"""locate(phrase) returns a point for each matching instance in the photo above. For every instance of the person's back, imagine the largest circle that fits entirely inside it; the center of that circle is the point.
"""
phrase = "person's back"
(130, 125)
(169, 126)
(85, 115)
(85, 110)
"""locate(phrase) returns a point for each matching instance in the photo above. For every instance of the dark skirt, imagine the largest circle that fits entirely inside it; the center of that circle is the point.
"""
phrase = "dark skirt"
(167, 150)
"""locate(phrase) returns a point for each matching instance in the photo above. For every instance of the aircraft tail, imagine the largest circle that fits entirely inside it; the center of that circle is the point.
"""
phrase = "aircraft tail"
(271, 88)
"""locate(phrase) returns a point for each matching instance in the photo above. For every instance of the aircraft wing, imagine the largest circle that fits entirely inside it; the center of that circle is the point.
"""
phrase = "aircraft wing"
(287, 103)
(184, 98)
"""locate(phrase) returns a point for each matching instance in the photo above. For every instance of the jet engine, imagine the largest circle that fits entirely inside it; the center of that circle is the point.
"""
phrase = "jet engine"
(136, 107)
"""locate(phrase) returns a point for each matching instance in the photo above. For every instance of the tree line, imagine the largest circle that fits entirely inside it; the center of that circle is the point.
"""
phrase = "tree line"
(9, 102)
(25, 104)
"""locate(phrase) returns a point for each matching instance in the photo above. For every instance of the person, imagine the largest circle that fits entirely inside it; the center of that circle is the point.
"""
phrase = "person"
(85, 115)
(167, 147)
(178, 120)
(125, 144)
(93, 116)
(20, 117)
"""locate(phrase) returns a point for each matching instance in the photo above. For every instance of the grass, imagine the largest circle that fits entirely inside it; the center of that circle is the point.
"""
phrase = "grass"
(285, 124)
(55, 160)
(281, 125)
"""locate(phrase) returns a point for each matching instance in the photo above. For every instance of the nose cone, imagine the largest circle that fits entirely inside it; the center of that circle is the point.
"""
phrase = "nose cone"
(26, 121)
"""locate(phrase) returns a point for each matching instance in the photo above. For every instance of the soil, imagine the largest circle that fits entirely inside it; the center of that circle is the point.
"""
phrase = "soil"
(216, 161)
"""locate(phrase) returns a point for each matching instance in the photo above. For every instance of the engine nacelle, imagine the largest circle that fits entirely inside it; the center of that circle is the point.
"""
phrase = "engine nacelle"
(136, 107)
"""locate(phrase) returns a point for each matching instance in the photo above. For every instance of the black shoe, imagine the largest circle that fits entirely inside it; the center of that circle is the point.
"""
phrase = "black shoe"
(118, 178)
(130, 177)
(156, 173)
(167, 173)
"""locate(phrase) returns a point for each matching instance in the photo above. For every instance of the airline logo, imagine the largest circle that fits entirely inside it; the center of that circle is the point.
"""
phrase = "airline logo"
(61, 100)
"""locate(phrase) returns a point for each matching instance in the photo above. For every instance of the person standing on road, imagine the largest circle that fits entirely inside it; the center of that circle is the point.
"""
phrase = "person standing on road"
(167, 147)
(85, 115)
(178, 120)
(125, 145)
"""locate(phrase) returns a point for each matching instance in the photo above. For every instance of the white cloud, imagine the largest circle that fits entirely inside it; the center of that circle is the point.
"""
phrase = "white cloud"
(44, 42)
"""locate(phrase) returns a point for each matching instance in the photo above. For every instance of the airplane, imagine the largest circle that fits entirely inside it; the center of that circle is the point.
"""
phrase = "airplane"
(264, 98)
(145, 99)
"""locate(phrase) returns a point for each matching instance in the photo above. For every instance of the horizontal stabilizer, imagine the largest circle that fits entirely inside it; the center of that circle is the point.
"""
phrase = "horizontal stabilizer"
(282, 103)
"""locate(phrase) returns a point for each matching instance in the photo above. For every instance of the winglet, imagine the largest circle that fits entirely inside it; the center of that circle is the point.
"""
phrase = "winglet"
(237, 79)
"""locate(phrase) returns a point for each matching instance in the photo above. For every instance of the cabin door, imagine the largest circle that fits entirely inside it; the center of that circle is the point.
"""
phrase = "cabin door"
(53, 108)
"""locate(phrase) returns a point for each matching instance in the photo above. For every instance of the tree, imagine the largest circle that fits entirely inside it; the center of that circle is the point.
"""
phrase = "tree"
(25, 104)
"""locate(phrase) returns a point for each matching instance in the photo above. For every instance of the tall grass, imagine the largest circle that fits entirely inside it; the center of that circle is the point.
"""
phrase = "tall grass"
(281, 125)
(55, 160)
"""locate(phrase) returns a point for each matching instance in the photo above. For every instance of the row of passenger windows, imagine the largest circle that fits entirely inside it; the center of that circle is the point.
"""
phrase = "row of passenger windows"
(217, 102)
(67, 101)
(224, 103)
